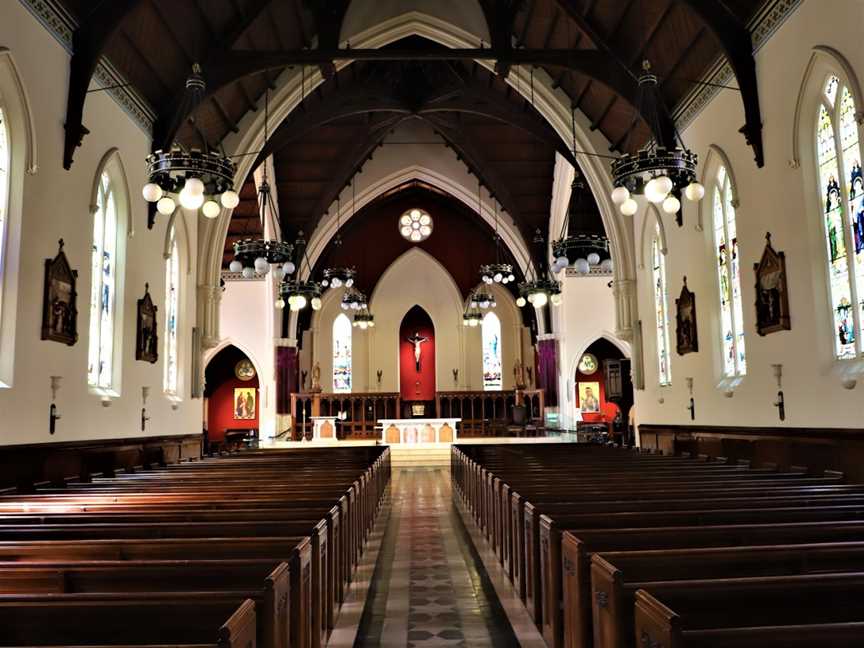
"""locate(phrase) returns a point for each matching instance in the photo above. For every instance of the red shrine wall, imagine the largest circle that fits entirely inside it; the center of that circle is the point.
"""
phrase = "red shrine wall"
(417, 385)
(220, 409)
(608, 409)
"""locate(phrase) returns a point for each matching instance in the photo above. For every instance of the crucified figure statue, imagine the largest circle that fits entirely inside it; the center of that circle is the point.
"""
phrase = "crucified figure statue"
(417, 340)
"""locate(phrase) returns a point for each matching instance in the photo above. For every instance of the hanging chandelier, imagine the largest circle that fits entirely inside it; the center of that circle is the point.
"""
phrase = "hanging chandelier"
(498, 272)
(659, 173)
(196, 179)
(541, 289)
(481, 299)
(472, 317)
(338, 276)
(354, 300)
(363, 319)
(297, 293)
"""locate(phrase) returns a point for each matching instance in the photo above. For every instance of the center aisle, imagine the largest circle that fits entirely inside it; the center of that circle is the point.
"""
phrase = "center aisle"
(429, 588)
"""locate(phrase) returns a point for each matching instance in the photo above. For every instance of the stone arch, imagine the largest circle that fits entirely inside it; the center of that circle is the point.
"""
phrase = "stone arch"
(713, 161)
(224, 344)
(652, 216)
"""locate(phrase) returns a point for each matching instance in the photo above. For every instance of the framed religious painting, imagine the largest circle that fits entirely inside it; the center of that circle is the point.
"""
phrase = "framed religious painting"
(59, 310)
(686, 332)
(589, 397)
(244, 403)
(146, 332)
(772, 291)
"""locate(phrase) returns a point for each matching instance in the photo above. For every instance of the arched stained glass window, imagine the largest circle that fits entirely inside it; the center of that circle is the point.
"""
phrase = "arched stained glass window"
(172, 313)
(103, 267)
(658, 264)
(842, 191)
(5, 160)
(342, 353)
(492, 374)
(728, 276)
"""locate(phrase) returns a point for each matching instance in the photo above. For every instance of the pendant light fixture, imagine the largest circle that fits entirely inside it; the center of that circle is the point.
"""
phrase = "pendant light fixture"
(539, 288)
(196, 179)
(297, 293)
(338, 276)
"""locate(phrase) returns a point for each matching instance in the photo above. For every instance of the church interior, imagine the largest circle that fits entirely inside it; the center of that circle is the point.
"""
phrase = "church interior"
(406, 323)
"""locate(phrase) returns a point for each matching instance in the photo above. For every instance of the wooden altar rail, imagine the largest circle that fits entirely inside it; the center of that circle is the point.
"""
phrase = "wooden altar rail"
(484, 413)
(363, 409)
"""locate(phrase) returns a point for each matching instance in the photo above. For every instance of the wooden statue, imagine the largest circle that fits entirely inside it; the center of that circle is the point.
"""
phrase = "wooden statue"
(519, 374)
(316, 378)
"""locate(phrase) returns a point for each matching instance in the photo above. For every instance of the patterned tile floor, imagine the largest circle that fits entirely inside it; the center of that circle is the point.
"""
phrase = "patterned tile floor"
(429, 588)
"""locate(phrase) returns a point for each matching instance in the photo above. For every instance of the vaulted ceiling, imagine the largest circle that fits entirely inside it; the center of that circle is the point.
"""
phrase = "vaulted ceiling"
(592, 49)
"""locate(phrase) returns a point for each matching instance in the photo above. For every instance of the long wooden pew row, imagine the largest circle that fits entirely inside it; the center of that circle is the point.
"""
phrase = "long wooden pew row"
(163, 623)
(598, 492)
(616, 576)
(150, 500)
(751, 612)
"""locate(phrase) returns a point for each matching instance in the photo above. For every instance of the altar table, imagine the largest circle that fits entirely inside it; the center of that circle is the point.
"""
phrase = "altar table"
(418, 430)
(323, 428)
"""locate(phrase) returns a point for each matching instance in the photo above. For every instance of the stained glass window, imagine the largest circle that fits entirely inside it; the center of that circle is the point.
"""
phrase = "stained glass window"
(491, 352)
(728, 277)
(661, 299)
(842, 202)
(4, 192)
(103, 273)
(342, 353)
(172, 312)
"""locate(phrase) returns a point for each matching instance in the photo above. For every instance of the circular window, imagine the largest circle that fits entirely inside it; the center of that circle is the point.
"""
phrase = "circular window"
(415, 225)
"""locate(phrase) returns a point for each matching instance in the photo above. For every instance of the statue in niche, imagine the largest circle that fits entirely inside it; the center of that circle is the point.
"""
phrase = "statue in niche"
(519, 374)
(417, 340)
(303, 375)
(686, 333)
(316, 378)
(146, 335)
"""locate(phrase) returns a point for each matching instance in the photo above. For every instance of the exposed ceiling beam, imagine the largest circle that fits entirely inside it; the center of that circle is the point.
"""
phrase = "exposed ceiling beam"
(88, 43)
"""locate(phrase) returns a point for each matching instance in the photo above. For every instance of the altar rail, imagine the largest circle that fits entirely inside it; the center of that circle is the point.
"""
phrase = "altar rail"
(491, 413)
(363, 410)
(483, 413)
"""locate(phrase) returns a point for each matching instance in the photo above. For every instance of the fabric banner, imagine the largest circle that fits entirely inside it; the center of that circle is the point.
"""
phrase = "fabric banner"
(286, 377)
(547, 370)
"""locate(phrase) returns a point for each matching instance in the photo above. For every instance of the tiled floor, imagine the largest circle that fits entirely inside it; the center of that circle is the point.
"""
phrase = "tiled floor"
(429, 588)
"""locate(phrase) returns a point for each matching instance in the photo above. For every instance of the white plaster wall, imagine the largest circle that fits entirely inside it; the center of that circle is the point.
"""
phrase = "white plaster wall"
(777, 198)
(247, 318)
(56, 204)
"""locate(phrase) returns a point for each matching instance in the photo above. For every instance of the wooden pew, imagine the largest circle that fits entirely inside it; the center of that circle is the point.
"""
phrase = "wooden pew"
(616, 576)
(750, 611)
(161, 622)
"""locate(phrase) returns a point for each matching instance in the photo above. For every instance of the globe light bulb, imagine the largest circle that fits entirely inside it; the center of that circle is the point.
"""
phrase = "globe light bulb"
(465, 321)
(315, 302)
(336, 282)
(484, 304)
(606, 266)
(280, 303)
(349, 283)
(294, 306)
(671, 205)
(562, 262)
(292, 299)
(229, 199)
(540, 299)
(345, 306)
(325, 282)
(664, 184)
(152, 192)
(277, 273)
(520, 302)
(473, 323)
(555, 299)
(487, 279)
(694, 191)
(355, 306)
(288, 268)
(582, 266)
(248, 273)
(191, 201)
(654, 192)
(371, 323)
(166, 206)
(301, 302)
(235, 266)
(498, 277)
(493, 304)
(261, 265)
(194, 186)
(511, 277)
(629, 207)
(363, 325)
(620, 194)
(593, 258)
(211, 209)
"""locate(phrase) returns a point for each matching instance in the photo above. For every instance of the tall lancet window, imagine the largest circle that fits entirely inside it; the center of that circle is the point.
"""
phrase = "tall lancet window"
(5, 160)
(728, 277)
(842, 198)
(103, 277)
(661, 299)
(172, 315)
(342, 353)
(492, 374)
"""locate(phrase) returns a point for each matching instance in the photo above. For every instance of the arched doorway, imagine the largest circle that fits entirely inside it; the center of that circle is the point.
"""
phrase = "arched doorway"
(604, 389)
(231, 399)
(417, 363)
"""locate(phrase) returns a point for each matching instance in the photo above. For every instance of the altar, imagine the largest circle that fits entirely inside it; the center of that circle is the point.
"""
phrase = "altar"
(418, 430)
(323, 428)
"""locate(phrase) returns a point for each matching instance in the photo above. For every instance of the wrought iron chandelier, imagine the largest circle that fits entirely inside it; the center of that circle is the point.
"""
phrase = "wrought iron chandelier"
(498, 272)
(258, 254)
(363, 319)
(197, 179)
(542, 289)
(354, 300)
(472, 316)
(480, 298)
(660, 173)
(297, 293)
(338, 276)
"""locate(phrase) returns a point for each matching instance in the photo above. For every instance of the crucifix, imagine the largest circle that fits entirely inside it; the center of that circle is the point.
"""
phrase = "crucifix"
(417, 340)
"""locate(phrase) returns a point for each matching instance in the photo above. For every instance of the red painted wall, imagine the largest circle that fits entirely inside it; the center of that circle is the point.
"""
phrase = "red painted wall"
(417, 320)
(220, 409)
(608, 409)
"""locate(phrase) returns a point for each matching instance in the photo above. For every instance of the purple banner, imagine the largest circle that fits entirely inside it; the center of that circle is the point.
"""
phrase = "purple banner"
(286, 377)
(547, 370)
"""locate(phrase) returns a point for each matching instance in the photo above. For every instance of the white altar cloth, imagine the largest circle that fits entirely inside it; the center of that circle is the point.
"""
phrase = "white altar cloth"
(418, 430)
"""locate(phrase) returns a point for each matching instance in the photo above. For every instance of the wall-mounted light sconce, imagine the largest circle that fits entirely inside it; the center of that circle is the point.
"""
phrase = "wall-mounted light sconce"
(692, 405)
(780, 403)
(53, 412)
(145, 392)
